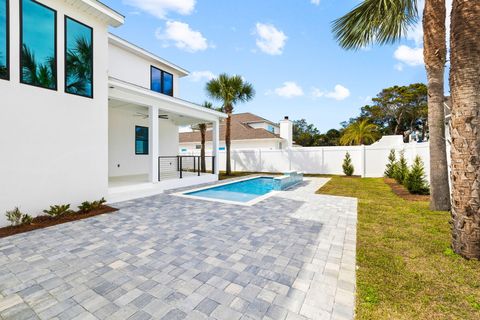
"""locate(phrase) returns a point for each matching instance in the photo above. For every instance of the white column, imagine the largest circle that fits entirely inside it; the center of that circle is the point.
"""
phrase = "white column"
(153, 143)
(216, 144)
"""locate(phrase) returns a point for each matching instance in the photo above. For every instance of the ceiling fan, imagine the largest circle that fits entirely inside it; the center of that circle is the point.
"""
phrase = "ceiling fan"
(145, 116)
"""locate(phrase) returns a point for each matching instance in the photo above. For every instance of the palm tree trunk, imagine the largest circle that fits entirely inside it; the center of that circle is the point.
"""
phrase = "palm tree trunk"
(435, 52)
(228, 143)
(465, 91)
(202, 151)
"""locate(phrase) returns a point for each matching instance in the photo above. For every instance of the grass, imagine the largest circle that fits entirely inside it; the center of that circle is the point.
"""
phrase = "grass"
(406, 268)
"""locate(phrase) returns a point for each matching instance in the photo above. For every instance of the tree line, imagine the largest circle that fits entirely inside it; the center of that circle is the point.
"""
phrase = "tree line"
(397, 110)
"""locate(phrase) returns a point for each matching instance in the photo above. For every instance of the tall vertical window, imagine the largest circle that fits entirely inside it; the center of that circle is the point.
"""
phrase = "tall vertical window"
(4, 54)
(161, 81)
(141, 140)
(78, 58)
(38, 54)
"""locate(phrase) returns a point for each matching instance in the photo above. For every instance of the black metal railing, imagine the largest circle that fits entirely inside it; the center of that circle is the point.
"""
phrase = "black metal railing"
(177, 167)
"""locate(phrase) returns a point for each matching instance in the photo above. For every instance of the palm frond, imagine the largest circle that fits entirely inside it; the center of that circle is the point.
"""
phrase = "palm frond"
(375, 21)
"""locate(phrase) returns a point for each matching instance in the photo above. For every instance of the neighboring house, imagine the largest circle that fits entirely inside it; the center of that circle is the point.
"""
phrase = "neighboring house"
(248, 131)
(85, 114)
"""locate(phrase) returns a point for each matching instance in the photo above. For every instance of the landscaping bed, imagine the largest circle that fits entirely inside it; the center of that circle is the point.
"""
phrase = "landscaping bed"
(406, 268)
(403, 193)
(45, 221)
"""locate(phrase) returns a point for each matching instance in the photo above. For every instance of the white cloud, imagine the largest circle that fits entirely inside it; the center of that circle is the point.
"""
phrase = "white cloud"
(270, 40)
(315, 2)
(409, 56)
(339, 93)
(289, 90)
(197, 76)
(160, 8)
(398, 67)
(182, 36)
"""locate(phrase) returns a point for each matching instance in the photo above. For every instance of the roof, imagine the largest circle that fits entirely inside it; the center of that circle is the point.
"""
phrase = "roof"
(240, 130)
(124, 44)
(100, 10)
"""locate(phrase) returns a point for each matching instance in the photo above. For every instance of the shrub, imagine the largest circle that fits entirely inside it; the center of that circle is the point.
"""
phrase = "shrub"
(347, 165)
(16, 217)
(391, 165)
(415, 180)
(88, 206)
(401, 169)
(58, 210)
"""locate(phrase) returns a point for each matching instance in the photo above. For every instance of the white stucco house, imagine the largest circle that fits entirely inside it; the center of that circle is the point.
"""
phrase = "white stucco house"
(79, 125)
(248, 131)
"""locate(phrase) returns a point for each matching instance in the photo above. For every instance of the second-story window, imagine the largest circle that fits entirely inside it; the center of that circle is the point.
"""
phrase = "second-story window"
(4, 55)
(78, 58)
(38, 54)
(161, 81)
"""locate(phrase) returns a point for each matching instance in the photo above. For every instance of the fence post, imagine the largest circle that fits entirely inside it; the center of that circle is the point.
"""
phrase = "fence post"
(181, 168)
(363, 172)
(199, 165)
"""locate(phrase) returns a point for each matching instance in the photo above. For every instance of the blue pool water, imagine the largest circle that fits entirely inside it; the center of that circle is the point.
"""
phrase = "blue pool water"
(242, 191)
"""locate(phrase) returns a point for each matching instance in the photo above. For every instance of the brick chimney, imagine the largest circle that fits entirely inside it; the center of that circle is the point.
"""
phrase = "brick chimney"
(286, 131)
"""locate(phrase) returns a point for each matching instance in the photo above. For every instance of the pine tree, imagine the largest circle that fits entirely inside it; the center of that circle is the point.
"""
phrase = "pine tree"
(391, 165)
(415, 180)
(401, 169)
(347, 165)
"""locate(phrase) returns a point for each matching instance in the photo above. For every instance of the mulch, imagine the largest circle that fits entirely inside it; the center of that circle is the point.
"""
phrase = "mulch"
(43, 221)
(403, 193)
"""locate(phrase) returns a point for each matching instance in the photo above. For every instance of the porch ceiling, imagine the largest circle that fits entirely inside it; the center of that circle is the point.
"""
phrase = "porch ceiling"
(142, 112)
(126, 95)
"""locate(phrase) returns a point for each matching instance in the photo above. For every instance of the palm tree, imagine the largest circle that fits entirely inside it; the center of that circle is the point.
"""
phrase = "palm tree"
(80, 67)
(386, 21)
(42, 75)
(230, 90)
(465, 92)
(360, 132)
(202, 127)
(3, 68)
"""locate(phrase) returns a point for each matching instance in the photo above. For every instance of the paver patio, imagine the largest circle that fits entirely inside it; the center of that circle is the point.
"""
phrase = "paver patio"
(291, 256)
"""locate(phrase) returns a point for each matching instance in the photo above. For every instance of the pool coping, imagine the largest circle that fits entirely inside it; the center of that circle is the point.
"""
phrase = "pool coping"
(247, 204)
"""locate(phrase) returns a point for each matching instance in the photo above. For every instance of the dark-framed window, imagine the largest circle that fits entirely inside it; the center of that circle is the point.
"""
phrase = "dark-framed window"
(141, 140)
(38, 45)
(161, 81)
(78, 58)
(4, 40)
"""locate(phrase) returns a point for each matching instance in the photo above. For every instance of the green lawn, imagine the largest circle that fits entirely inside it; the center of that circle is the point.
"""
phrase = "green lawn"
(406, 269)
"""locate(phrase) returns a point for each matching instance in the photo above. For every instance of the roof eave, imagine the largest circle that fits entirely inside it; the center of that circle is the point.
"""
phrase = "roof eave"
(114, 18)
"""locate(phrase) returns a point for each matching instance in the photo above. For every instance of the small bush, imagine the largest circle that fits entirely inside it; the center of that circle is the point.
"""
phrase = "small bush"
(415, 180)
(347, 165)
(58, 210)
(401, 169)
(391, 165)
(88, 206)
(16, 217)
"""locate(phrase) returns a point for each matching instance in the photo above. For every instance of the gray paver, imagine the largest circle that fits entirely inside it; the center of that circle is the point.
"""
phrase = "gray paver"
(291, 256)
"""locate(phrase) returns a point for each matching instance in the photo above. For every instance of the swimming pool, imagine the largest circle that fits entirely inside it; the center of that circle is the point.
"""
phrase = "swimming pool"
(247, 191)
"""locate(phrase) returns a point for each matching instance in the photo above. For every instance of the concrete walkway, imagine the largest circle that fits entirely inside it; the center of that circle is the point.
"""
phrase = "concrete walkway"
(291, 256)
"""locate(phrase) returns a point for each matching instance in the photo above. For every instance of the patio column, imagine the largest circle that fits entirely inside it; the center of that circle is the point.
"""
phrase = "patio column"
(216, 144)
(153, 143)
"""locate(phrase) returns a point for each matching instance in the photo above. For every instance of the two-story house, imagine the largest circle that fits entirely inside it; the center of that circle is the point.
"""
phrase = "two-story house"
(248, 131)
(83, 113)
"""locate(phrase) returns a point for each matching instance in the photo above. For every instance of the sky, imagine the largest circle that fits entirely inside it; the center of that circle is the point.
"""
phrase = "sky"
(285, 49)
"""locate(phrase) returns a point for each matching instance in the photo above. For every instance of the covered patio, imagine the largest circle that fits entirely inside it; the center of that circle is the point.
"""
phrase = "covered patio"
(144, 140)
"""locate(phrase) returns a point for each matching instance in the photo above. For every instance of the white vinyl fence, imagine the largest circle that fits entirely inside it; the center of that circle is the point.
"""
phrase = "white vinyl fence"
(369, 161)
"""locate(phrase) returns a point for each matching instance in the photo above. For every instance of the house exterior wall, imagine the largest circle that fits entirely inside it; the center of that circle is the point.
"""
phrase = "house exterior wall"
(121, 148)
(55, 145)
(266, 126)
(125, 65)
